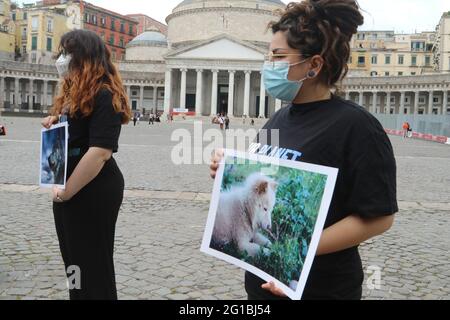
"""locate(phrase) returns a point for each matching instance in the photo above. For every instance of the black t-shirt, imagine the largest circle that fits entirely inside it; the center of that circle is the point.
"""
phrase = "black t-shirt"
(100, 129)
(343, 135)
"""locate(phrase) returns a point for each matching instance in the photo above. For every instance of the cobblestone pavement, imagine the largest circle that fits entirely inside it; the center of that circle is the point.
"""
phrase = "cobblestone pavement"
(163, 215)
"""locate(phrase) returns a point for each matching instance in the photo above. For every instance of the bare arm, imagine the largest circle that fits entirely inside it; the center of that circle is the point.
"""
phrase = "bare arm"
(87, 169)
(351, 232)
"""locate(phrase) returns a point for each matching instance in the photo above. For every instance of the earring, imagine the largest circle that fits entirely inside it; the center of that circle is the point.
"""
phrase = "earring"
(311, 74)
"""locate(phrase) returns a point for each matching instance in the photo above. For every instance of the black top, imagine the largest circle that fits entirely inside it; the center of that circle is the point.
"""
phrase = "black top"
(343, 135)
(100, 129)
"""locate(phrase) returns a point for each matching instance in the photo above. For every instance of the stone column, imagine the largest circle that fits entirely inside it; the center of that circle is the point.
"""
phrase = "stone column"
(183, 89)
(215, 74)
(445, 102)
(361, 98)
(262, 98)
(30, 95)
(155, 99)
(129, 94)
(2, 92)
(141, 97)
(430, 102)
(247, 93)
(278, 103)
(347, 95)
(388, 103)
(168, 91)
(373, 108)
(16, 93)
(45, 96)
(416, 102)
(402, 102)
(199, 93)
(231, 74)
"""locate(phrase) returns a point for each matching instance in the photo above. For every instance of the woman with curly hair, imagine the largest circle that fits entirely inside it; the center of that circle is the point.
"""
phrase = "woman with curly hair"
(93, 102)
(308, 56)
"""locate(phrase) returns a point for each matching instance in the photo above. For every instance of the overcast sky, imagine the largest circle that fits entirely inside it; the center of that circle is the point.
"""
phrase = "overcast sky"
(402, 16)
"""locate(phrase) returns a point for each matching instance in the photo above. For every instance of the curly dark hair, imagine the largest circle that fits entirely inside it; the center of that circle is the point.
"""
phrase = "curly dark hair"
(322, 27)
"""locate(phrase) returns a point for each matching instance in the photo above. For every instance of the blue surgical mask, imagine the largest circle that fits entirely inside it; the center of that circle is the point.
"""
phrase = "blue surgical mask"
(277, 83)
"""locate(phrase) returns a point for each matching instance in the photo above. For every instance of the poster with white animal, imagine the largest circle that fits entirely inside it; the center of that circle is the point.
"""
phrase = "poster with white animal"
(53, 156)
(267, 215)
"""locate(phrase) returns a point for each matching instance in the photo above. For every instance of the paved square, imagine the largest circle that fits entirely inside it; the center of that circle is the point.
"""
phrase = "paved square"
(164, 212)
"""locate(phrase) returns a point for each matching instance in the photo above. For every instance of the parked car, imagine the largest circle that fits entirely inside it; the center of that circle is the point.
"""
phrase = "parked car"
(2, 130)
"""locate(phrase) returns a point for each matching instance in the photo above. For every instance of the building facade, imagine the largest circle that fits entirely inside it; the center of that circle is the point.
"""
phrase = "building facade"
(441, 46)
(210, 62)
(383, 53)
(115, 29)
(146, 23)
(7, 31)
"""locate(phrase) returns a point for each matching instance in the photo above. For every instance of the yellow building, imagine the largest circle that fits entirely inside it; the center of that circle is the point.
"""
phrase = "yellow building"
(7, 31)
(38, 33)
(383, 53)
(441, 46)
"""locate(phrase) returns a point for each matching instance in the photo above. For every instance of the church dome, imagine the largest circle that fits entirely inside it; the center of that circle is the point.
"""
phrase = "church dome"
(198, 20)
(149, 38)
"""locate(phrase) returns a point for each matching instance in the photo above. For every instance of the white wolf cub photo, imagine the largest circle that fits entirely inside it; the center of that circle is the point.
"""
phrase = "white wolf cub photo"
(243, 212)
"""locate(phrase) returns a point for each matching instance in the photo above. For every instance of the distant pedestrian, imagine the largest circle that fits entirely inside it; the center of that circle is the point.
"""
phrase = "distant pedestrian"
(405, 128)
(221, 122)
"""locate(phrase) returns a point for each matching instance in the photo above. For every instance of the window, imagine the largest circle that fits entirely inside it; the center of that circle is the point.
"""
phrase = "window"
(427, 61)
(50, 25)
(373, 74)
(49, 44)
(421, 99)
(111, 40)
(361, 61)
(24, 33)
(114, 54)
(374, 59)
(392, 99)
(113, 24)
(122, 27)
(103, 21)
(414, 60)
(33, 57)
(386, 73)
(34, 43)
(102, 35)
(436, 100)
(86, 17)
(400, 73)
(94, 19)
(401, 59)
(24, 49)
(413, 73)
(387, 60)
(13, 16)
(25, 16)
(121, 43)
(131, 30)
(34, 24)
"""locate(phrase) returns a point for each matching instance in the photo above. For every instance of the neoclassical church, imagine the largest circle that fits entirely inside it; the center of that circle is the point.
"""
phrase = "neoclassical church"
(209, 63)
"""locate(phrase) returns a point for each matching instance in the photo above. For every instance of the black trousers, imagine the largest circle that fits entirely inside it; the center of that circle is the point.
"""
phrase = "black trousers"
(85, 226)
